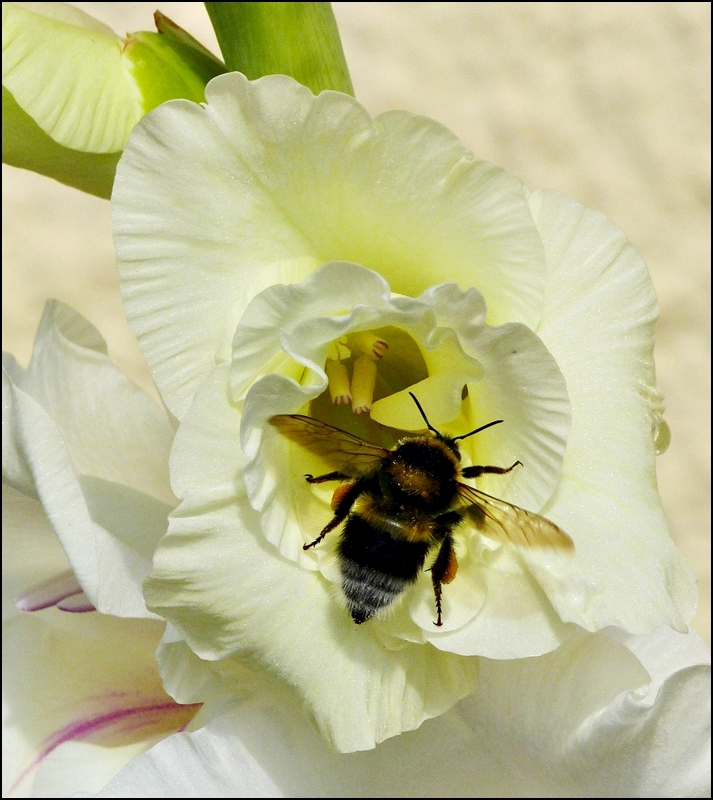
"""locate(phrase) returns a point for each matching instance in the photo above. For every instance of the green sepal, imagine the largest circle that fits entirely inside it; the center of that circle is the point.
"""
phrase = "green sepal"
(191, 50)
(73, 90)
(166, 69)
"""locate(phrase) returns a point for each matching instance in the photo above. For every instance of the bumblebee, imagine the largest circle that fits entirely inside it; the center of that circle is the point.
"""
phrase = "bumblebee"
(401, 504)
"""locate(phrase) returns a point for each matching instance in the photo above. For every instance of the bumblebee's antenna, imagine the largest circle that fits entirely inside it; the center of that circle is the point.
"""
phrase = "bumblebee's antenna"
(423, 414)
(453, 438)
(477, 430)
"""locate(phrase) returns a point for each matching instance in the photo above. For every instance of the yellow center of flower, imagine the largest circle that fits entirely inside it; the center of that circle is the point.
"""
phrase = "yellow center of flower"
(370, 374)
(367, 348)
(363, 368)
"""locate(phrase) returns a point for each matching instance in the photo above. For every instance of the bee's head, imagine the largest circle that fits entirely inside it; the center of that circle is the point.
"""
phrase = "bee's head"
(449, 441)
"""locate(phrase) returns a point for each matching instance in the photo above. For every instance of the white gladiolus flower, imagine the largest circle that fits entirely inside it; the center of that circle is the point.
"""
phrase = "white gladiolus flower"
(285, 254)
(86, 452)
(261, 238)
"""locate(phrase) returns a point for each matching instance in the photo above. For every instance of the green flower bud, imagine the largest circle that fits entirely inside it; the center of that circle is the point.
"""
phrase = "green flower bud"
(73, 90)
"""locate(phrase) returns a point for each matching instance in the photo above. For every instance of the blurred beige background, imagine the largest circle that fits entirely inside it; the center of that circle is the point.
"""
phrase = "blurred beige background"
(607, 102)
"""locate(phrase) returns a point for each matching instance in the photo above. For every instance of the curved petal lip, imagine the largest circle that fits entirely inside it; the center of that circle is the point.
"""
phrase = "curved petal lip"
(600, 302)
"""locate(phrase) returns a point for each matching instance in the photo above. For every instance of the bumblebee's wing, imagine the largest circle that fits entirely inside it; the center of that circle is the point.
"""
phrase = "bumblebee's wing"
(342, 451)
(504, 522)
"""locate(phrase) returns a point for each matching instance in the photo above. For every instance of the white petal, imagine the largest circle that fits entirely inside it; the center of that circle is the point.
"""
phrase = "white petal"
(212, 762)
(109, 562)
(516, 619)
(80, 677)
(211, 205)
(70, 677)
(15, 469)
(206, 452)
(535, 727)
(80, 769)
(97, 447)
(70, 681)
(188, 678)
(574, 722)
(598, 321)
(664, 652)
(668, 722)
(113, 429)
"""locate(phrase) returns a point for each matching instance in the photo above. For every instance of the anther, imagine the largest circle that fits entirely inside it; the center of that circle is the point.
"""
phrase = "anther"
(338, 378)
(364, 375)
(363, 382)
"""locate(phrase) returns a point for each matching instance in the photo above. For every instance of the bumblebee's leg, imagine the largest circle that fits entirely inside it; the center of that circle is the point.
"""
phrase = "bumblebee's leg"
(330, 476)
(476, 472)
(445, 566)
(341, 512)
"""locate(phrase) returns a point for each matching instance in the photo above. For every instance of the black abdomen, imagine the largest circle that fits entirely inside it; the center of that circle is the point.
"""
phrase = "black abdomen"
(375, 566)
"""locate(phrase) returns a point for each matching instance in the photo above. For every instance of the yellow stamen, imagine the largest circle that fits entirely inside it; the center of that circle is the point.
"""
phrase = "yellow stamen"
(363, 382)
(338, 379)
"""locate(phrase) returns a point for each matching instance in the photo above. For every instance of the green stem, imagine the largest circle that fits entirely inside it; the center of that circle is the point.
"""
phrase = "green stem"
(296, 39)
